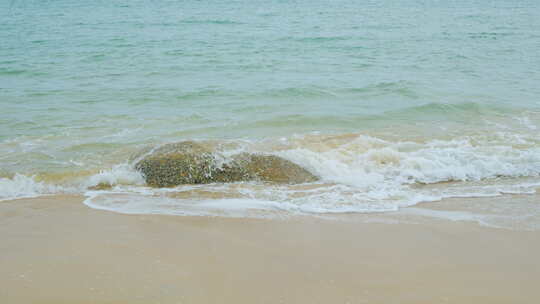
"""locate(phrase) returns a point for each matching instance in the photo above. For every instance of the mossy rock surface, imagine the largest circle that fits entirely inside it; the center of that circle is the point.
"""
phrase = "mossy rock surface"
(178, 163)
(271, 168)
(191, 162)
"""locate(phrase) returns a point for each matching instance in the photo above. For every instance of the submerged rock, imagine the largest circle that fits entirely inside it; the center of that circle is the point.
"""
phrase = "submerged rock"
(271, 168)
(190, 162)
(101, 186)
(175, 164)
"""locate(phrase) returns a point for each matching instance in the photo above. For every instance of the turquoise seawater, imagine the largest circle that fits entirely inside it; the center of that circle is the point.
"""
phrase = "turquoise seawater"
(372, 96)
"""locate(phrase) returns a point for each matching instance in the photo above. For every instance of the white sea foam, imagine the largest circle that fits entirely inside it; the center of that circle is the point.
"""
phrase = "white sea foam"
(22, 186)
(363, 174)
(358, 174)
(121, 174)
(384, 168)
(129, 203)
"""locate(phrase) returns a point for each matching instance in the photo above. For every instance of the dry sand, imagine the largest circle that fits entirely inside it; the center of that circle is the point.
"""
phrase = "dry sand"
(57, 250)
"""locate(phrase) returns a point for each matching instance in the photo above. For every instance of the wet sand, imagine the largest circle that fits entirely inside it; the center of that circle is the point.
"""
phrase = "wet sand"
(57, 250)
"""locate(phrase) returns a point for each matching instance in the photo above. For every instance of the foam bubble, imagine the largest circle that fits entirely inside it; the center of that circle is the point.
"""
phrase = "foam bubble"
(359, 174)
(129, 203)
(22, 186)
(375, 166)
(122, 174)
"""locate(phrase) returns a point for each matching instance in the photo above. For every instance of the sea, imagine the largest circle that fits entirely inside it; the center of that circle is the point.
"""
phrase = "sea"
(391, 103)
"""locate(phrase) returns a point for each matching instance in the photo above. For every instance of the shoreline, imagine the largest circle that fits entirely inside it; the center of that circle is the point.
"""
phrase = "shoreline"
(57, 250)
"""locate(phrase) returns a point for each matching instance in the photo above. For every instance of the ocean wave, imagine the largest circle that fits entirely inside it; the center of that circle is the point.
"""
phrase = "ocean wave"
(435, 110)
(320, 39)
(211, 21)
(21, 186)
(122, 174)
(358, 173)
(371, 162)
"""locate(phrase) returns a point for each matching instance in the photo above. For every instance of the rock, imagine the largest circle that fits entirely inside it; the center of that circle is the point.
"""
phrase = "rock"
(271, 168)
(174, 164)
(190, 162)
(101, 186)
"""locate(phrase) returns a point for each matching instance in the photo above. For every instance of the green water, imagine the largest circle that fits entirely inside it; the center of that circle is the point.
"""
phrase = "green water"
(85, 84)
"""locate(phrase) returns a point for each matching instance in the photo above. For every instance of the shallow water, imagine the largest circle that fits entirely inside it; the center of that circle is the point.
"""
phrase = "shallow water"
(391, 104)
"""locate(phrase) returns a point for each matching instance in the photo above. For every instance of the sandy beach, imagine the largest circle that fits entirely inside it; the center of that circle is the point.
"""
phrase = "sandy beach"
(57, 250)
(246, 152)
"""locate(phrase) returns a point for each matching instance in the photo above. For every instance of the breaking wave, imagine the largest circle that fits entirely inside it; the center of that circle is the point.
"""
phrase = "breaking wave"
(21, 186)
(358, 173)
